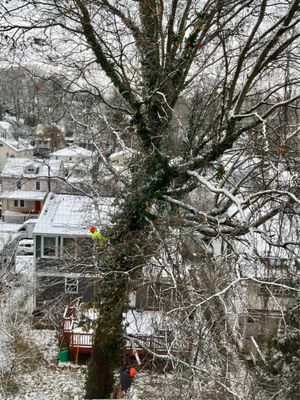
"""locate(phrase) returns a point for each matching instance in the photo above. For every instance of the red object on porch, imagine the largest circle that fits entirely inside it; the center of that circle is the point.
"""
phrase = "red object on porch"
(37, 207)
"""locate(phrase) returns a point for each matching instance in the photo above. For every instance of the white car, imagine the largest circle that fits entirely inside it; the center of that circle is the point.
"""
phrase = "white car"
(25, 247)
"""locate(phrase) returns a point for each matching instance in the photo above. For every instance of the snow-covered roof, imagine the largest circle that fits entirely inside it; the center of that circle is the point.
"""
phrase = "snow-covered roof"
(9, 227)
(17, 145)
(5, 125)
(122, 156)
(23, 195)
(72, 151)
(18, 167)
(70, 215)
(143, 323)
(137, 323)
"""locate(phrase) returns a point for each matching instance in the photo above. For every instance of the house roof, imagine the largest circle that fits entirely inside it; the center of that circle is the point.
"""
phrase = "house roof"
(72, 151)
(23, 195)
(5, 125)
(17, 145)
(69, 215)
(16, 168)
(137, 324)
(143, 323)
(122, 156)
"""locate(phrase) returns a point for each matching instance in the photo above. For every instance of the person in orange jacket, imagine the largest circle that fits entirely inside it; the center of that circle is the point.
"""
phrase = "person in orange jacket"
(126, 379)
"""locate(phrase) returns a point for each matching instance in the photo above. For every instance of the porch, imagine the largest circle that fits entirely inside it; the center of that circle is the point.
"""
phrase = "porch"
(142, 338)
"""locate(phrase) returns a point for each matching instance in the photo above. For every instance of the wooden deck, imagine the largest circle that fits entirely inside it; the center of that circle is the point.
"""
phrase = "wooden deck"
(80, 342)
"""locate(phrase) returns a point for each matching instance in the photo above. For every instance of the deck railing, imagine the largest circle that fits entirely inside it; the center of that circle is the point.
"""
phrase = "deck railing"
(70, 315)
(81, 340)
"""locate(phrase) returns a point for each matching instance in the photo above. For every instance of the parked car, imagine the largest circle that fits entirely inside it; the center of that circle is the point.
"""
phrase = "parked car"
(25, 247)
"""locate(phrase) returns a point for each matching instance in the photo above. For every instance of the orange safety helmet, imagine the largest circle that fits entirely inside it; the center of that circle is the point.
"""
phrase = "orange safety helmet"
(92, 229)
(132, 372)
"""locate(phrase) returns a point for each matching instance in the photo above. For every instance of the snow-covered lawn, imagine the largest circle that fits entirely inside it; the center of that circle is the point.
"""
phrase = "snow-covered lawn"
(29, 367)
(44, 377)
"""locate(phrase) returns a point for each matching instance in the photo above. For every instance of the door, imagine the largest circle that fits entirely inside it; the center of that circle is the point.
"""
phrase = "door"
(37, 207)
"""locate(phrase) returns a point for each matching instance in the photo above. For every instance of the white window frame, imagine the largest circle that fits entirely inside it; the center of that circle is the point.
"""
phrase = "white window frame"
(71, 285)
(31, 170)
(37, 185)
(16, 203)
(56, 247)
(22, 201)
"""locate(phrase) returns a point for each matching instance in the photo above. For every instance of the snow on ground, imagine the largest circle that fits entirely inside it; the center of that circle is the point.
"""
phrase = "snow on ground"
(31, 355)
(24, 266)
(46, 378)
(29, 366)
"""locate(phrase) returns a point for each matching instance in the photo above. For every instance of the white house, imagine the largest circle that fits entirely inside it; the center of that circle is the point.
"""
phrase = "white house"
(25, 184)
(64, 264)
(47, 139)
(73, 154)
(5, 130)
(257, 306)
(11, 148)
(77, 163)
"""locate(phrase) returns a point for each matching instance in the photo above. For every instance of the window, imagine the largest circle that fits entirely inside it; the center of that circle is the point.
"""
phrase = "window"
(275, 262)
(68, 247)
(71, 285)
(38, 185)
(31, 169)
(70, 158)
(19, 185)
(49, 246)
(16, 203)
(1, 144)
(22, 203)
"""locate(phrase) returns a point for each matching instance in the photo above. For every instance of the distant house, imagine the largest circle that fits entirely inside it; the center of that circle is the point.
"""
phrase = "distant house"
(256, 311)
(73, 154)
(25, 184)
(5, 130)
(122, 157)
(77, 163)
(47, 140)
(10, 148)
(115, 174)
(64, 264)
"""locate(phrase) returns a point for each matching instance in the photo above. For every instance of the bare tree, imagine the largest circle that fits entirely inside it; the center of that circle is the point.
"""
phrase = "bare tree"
(227, 58)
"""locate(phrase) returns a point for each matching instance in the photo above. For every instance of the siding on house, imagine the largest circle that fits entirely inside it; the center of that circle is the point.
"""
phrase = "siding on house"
(50, 291)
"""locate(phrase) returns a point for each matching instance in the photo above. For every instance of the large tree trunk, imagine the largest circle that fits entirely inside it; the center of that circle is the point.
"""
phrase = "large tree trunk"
(120, 262)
